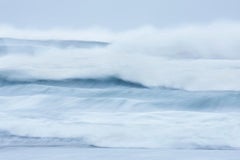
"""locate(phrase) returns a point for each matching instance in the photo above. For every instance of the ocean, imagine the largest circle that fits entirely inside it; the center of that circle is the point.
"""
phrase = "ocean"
(177, 91)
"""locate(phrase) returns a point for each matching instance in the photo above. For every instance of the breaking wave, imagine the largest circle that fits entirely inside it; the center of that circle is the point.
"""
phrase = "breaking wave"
(145, 88)
(190, 58)
(179, 130)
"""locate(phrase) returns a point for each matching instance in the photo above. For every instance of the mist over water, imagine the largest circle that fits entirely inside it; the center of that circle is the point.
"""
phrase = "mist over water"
(143, 88)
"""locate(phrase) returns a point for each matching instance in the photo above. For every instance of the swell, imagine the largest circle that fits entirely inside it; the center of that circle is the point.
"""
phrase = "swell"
(10, 140)
(111, 99)
(30, 46)
(83, 83)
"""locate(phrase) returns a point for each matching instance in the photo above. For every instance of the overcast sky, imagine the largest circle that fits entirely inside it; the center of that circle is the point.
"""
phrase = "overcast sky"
(115, 14)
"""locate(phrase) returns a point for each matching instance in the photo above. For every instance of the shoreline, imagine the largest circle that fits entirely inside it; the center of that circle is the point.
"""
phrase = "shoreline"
(76, 153)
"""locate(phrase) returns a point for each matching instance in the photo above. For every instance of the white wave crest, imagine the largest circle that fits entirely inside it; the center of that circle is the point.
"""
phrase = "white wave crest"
(191, 58)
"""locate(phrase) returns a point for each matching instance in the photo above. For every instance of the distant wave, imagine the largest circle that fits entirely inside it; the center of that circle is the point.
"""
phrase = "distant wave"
(30, 46)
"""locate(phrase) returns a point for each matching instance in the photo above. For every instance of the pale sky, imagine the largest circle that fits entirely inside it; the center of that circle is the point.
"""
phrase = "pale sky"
(115, 14)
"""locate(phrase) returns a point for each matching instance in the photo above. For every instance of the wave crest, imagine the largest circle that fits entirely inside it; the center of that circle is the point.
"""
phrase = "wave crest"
(83, 83)
(189, 58)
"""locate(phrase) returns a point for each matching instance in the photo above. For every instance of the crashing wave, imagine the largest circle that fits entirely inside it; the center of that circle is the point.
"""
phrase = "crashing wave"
(146, 88)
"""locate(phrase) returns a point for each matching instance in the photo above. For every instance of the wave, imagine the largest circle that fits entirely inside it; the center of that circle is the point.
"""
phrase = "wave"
(11, 140)
(188, 58)
(31, 46)
(177, 130)
(146, 70)
(145, 88)
(83, 83)
(113, 99)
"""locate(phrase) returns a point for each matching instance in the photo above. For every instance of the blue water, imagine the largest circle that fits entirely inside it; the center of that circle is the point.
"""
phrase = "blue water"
(89, 94)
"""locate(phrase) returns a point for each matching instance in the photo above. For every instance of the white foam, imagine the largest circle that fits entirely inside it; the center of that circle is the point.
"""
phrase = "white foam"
(149, 130)
(190, 58)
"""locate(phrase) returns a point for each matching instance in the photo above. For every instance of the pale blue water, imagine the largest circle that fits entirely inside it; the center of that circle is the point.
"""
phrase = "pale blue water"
(88, 94)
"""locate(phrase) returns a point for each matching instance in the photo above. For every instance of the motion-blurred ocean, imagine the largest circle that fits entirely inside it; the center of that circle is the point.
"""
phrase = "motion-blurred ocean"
(149, 88)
